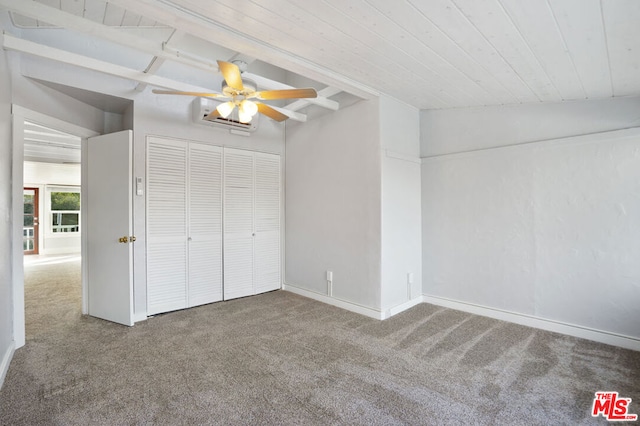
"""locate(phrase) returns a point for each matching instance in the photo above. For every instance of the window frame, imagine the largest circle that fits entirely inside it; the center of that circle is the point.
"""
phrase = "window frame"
(49, 212)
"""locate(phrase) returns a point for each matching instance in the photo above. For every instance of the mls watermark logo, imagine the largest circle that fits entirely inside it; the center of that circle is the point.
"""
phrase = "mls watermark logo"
(612, 407)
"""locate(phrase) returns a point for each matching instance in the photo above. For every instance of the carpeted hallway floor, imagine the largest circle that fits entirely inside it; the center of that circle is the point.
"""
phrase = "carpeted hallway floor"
(282, 359)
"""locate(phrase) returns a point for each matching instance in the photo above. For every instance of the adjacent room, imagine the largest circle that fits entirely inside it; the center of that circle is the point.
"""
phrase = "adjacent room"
(51, 226)
(286, 212)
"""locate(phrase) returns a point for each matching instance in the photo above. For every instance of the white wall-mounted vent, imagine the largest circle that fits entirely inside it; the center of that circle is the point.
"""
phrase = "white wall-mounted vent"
(202, 107)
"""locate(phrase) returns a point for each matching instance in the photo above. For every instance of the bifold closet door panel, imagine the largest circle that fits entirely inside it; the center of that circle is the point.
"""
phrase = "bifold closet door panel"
(267, 259)
(166, 225)
(238, 223)
(205, 224)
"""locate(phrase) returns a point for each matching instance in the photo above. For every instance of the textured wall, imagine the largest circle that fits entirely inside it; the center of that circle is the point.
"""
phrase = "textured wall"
(547, 229)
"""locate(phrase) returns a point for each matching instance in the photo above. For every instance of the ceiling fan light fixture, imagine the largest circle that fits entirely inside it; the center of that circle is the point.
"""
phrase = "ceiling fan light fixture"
(225, 109)
(243, 117)
(248, 107)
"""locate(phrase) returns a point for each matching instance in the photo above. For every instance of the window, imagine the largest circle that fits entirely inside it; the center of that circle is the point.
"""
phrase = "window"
(65, 211)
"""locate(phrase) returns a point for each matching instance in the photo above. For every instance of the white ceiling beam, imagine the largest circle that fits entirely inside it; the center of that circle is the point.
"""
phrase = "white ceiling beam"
(291, 114)
(225, 35)
(327, 92)
(13, 43)
(152, 68)
(66, 20)
(275, 85)
(157, 62)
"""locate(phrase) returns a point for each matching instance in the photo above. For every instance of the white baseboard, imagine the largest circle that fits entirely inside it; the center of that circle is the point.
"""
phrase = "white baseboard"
(608, 338)
(388, 313)
(349, 306)
(354, 307)
(6, 360)
(139, 317)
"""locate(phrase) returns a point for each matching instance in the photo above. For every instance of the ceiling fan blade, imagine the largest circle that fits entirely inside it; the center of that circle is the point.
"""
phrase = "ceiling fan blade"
(212, 115)
(231, 74)
(178, 92)
(270, 112)
(287, 94)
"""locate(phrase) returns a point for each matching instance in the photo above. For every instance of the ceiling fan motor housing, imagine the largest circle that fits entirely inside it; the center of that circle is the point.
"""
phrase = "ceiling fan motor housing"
(250, 88)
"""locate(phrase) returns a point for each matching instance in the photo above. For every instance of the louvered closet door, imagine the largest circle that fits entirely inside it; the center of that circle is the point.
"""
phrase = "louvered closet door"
(205, 224)
(267, 226)
(166, 225)
(238, 223)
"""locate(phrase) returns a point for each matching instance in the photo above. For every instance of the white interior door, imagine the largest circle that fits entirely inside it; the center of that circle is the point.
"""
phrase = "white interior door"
(166, 225)
(238, 223)
(267, 223)
(109, 218)
(205, 224)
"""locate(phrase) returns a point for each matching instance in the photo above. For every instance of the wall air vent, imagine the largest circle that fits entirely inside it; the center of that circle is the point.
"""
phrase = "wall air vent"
(202, 107)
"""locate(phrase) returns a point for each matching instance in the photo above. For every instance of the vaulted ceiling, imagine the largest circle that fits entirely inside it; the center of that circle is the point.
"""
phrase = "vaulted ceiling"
(429, 53)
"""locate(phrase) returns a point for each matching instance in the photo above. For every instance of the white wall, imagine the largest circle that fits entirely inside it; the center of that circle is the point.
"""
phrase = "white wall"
(546, 229)
(36, 97)
(46, 177)
(333, 178)
(467, 129)
(6, 227)
(401, 210)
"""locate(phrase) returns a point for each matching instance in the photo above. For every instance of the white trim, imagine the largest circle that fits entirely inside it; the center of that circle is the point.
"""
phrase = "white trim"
(388, 313)
(6, 361)
(403, 157)
(545, 143)
(17, 200)
(137, 316)
(601, 336)
(48, 121)
(349, 306)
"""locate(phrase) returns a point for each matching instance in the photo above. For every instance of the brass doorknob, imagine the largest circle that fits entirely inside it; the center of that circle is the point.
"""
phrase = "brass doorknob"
(124, 239)
(132, 238)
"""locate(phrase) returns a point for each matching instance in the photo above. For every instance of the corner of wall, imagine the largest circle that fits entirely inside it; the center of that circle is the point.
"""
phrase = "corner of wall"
(5, 361)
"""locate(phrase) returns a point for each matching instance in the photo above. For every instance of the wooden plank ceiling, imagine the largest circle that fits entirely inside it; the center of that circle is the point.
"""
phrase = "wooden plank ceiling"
(429, 53)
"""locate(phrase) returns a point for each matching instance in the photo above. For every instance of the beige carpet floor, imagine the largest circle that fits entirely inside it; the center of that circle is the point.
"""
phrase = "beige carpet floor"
(281, 359)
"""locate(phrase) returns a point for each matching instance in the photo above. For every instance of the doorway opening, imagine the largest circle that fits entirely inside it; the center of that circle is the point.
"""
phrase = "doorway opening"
(51, 228)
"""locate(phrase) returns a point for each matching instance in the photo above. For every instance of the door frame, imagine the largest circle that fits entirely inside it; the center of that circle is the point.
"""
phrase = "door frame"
(36, 219)
(19, 114)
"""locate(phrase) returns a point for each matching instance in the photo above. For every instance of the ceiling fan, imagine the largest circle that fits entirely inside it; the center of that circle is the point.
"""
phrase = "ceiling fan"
(240, 93)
